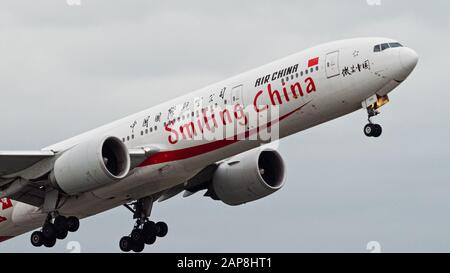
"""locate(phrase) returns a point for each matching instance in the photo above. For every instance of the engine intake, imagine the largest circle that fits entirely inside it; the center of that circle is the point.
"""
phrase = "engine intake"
(249, 176)
(90, 165)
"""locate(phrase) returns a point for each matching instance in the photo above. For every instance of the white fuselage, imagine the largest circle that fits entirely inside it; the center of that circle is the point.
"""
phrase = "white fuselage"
(344, 75)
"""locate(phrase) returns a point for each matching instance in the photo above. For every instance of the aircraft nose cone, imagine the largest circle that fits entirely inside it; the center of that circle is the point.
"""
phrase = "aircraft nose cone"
(408, 60)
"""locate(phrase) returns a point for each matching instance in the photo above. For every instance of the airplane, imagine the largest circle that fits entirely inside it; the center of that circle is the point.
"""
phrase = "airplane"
(181, 147)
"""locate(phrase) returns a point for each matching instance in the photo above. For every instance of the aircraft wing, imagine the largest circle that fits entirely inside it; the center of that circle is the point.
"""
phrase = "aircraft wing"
(197, 183)
(15, 161)
(24, 184)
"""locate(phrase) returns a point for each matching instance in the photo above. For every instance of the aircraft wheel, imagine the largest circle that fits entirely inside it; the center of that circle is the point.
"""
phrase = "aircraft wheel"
(138, 246)
(373, 130)
(378, 130)
(73, 223)
(369, 129)
(37, 238)
(125, 244)
(60, 223)
(149, 230)
(161, 229)
(137, 236)
(50, 241)
(61, 234)
(48, 230)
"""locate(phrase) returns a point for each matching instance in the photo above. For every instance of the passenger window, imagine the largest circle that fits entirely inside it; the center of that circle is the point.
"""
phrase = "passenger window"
(384, 47)
(377, 48)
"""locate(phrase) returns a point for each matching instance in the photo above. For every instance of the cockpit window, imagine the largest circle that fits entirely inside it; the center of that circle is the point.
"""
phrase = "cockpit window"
(382, 47)
(395, 45)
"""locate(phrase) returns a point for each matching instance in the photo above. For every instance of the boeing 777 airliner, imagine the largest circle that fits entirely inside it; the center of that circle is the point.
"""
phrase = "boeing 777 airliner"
(211, 140)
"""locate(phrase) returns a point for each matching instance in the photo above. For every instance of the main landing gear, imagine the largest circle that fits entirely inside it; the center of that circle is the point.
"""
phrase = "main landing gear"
(55, 227)
(145, 231)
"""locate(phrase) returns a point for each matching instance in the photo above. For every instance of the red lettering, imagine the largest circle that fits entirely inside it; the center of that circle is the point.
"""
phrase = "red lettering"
(222, 116)
(286, 96)
(255, 103)
(206, 120)
(311, 87)
(173, 138)
(273, 94)
(189, 128)
(298, 87)
(240, 114)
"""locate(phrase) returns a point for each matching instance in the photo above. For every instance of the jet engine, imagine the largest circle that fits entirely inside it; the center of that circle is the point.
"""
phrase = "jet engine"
(90, 165)
(249, 176)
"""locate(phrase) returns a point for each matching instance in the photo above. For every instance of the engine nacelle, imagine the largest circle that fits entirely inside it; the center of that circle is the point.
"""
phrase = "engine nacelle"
(90, 165)
(249, 176)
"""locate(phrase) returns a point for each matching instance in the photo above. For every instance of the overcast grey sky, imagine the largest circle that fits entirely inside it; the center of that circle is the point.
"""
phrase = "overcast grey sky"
(66, 69)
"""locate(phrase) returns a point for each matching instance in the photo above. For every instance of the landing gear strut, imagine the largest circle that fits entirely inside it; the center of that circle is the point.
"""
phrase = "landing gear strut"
(55, 227)
(145, 231)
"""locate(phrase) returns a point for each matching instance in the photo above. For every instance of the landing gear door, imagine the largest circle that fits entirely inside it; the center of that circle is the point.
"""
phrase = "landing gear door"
(332, 64)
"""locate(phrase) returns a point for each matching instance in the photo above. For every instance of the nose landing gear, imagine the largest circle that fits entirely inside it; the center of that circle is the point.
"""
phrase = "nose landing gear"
(372, 105)
(145, 231)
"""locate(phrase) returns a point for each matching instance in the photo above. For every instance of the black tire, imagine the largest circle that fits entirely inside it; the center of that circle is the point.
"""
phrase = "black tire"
(138, 246)
(137, 236)
(125, 244)
(60, 223)
(369, 130)
(73, 223)
(378, 130)
(37, 238)
(48, 230)
(50, 242)
(61, 234)
(161, 229)
(149, 239)
(149, 230)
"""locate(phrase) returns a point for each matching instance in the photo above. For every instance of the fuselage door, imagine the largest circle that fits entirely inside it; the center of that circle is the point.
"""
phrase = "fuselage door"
(237, 95)
(332, 64)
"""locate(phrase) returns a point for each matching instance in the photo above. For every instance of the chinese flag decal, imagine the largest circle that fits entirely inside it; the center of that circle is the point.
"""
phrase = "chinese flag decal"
(313, 62)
